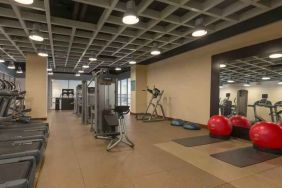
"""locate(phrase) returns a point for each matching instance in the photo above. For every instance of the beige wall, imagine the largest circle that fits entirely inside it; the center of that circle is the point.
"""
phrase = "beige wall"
(255, 91)
(186, 77)
(36, 85)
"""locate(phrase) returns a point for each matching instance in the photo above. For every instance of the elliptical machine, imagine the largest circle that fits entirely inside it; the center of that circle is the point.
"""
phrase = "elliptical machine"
(155, 105)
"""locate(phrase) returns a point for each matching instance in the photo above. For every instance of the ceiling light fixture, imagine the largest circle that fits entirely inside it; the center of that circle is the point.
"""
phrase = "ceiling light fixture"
(49, 69)
(265, 78)
(11, 65)
(130, 17)
(118, 69)
(81, 71)
(92, 59)
(155, 50)
(200, 29)
(246, 84)
(132, 62)
(222, 65)
(50, 73)
(275, 55)
(2, 60)
(19, 70)
(35, 34)
(77, 74)
(85, 66)
(43, 54)
(230, 81)
(24, 2)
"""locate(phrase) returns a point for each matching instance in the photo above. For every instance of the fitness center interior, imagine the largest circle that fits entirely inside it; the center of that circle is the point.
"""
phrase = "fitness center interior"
(140, 93)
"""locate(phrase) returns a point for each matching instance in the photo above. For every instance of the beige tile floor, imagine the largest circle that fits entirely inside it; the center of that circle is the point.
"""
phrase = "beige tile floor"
(74, 159)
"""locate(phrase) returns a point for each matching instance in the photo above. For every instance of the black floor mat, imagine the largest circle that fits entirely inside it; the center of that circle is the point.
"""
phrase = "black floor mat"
(197, 141)
(244, 156)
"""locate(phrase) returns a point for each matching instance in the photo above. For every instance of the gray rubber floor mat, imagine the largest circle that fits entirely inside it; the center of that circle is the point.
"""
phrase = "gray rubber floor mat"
(244, 157)
(198, 141)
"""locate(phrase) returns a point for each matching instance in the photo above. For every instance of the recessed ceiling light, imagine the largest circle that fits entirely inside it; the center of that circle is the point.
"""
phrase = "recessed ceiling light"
(265, 78)
(81, 71)
(85, 66)
(275, 55)
(118, 69)
(50, 73)
(19, 70)
(230, 81)
(25, 2)
(11, 65)
(132, 62)
(222, 65)
(43, 54)
(130, 17)
(77, 74)
(92, 59)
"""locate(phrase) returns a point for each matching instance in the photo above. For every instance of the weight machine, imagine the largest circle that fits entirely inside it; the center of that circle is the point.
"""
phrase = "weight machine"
(109, 118)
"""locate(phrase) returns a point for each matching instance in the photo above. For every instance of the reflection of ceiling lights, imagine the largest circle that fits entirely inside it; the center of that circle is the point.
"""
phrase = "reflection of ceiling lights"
(275, 55)
(220, 87)
(200, 29)
(222, 65)
(246, 85)
(118, 69)
(81, 71)
(130, 17)
(11, 65)
(19, 70)
(25, 2)
(77, 74)
(280, 83)
(132, 62)
(35, 34)
(85, 66)
(266, 78)
(155, 50)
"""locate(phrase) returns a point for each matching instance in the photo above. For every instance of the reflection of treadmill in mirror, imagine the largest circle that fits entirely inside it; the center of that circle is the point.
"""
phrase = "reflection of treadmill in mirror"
(263, 102)
(226, 106)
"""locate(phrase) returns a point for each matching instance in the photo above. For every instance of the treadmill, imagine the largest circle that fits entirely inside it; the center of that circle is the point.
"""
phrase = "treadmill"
(6, 135)
(6, 121)
(22, 148)
(17, 172)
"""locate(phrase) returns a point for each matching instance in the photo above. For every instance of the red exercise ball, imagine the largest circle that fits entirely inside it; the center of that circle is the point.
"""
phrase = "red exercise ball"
(266, 135)
(240, 121)
(219, 126)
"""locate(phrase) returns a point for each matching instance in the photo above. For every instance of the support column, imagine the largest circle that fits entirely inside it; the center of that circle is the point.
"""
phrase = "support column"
(36, 84)
(138, 84)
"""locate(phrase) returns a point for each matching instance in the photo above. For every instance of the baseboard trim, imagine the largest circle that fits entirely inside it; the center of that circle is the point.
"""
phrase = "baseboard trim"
(171, 118)
(42, 119)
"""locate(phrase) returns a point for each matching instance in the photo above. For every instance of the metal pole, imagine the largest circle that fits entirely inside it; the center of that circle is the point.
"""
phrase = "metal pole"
(84, 117)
